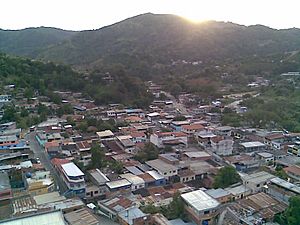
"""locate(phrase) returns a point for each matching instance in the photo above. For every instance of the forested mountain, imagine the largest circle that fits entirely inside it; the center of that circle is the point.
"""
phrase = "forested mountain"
(31, 41)
(47, 77)
(146, 42)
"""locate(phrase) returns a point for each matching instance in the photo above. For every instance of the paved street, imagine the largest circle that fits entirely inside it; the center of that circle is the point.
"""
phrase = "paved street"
(40, 153)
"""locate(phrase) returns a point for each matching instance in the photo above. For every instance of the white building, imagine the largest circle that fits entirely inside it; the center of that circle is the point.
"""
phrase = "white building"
(163, 168)
(200, 207)
(74, 178)
(222, 145)
(136, 181)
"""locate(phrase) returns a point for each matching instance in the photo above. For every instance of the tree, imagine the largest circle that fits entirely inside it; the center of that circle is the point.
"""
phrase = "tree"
(226, 176)
(291, 215)
(149, 152)
(98, 157)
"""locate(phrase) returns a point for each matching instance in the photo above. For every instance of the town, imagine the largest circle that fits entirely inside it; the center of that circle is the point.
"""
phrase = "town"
(173, 163)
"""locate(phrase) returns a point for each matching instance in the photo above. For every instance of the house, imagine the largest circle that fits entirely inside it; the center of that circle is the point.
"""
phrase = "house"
(220, 195)
(152, 117)
(223, 131)
(117, 185)
(266, 157)
(40, 182)
(293, 172)
(177, 125)
(200, 207)
(253, 146)
(294, 149)
(281, 189)
(81, 217)
(256, 181)
(162, 139)
(7, 142)
(204, 138)
(112, 206)
(186, 175)
(238, 192)
(99, 179)
(136, 181)
(195, 156)
(170, 158)
(222, 145)
(163, 168)
(192, 129)
(126, 144)
(242, 162)
(106, 135)
(138, 137)
(73, 178)
(84, 152)
(92, 191)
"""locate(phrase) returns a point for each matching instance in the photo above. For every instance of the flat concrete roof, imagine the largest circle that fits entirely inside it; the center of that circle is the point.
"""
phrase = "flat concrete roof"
(199, 200)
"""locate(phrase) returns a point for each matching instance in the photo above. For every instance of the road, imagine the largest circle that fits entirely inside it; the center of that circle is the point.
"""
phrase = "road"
(40, 153)
(180, 107)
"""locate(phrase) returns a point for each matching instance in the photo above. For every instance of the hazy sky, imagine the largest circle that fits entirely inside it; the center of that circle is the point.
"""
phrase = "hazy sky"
(93, 14)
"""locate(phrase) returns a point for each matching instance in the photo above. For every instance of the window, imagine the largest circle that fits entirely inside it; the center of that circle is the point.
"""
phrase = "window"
(96, 192)
(206, 212)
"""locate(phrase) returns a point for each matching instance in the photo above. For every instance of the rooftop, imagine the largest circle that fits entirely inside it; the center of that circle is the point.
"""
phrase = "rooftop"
(160, 165)
(100, 177)
(199, 200)
(197, 154)
(118, 183)
(132, 178)
(81, 217)
(72, 170)
(106, 133)
(258, 177)
(252, 144)
(47, 218)
(287, 185)
(217, 193)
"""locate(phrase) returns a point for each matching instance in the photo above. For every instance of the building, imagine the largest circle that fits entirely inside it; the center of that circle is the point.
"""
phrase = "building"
(107, 135)
(73, 178)
(177, 125)
(118, 185)
(256, 181)
(220, 195)
(44, 218)
(163, 168)
(200, 207)
(136, 181)
(192, 129)
(281, 189)
(5, 188)
(293, 172)
(238, 192)
(222, 145)
(99, 179)
(196, 156)
(186, 175)
(163, 139)
(223, 131)
(81, 217)
(253, 146)
(40, 182)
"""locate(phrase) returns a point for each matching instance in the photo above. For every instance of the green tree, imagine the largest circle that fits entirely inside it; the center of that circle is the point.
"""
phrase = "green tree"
(98, 157)
(226, 176)
(291, 216)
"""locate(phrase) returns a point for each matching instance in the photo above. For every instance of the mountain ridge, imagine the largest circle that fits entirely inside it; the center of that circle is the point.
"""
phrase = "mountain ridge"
(142, 43)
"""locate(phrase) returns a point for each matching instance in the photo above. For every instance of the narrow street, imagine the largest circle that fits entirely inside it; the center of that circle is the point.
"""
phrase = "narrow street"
(180, 107)
(40, 153)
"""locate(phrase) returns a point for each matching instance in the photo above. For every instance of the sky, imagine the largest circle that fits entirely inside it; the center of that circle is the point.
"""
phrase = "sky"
(94, 14)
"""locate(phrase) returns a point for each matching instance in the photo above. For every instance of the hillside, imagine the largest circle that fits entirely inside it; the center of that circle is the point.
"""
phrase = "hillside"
(149, 43)
(45, 78)
(31, 41)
